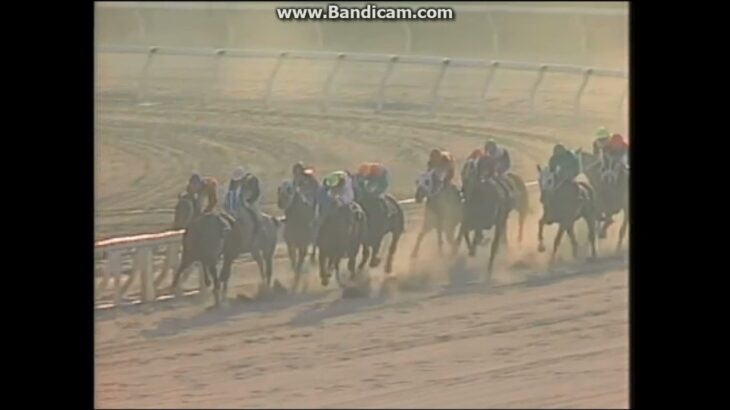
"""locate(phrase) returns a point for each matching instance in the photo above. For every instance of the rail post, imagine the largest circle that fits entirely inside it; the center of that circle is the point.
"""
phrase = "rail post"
(170, 263)
(146, 274)
(380, 98)
(487, 83)
(579, 94)
(115, 269)
(326, 91)
(272, 78)
(434, 91)
(533, 90)
(142, 82)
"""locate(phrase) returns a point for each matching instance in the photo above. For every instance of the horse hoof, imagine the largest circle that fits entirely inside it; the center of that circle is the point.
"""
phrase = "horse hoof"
(541, 248)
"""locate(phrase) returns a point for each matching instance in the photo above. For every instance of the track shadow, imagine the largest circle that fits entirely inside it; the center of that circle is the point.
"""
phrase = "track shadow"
(234, 308)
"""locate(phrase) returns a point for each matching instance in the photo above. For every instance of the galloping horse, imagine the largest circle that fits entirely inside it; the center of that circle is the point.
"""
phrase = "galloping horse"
(610, 178)
(343, 232)
(564, 203)
(384, 216)
(443, 209)
(299, 212)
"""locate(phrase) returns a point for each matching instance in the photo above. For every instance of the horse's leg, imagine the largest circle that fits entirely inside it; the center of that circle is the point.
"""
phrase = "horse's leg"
(375, 260)
(211, 269)
(499, 230)
(183, 266)
(391, 251)
(353, 258)
(220, 289)
(471, 244)
(522, 216)
(556, 243)
(269, 262)
(540, 226)
(461, 234)
(608, 221)
(421, 234)
(439, 235)
(622, 231)
(292, 252)
(324, 272)
(258, 256)
(573, 240)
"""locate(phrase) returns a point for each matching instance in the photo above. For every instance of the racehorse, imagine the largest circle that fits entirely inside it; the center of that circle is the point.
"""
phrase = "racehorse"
(384, 216)
(443, 209)
(245, 238)
(487, 205)
(203, 239)
(299, 214)
(342, 233)
(610, 179)
(564, 203)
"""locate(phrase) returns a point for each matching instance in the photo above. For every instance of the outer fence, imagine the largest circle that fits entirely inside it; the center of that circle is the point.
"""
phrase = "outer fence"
(140, 249)
(490, 13)
(490, 69)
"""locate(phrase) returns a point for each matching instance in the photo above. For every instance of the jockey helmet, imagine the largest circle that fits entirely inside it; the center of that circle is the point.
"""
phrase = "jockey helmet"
(559, 149)
(617, 139)
(238, 174)
(364, 169)
(195, 179)
(490, 146)
(603, 132)
(298, 168)
(334, 179)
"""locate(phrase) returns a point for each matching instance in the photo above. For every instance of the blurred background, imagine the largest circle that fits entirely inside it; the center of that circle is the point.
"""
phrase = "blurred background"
(598, 36)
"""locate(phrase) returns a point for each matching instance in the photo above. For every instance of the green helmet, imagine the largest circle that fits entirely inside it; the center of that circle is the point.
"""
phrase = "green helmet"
(603, 133)
(333, 179)
(559, 149)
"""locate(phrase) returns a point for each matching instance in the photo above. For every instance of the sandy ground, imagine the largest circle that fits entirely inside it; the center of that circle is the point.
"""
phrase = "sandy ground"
(438, 337)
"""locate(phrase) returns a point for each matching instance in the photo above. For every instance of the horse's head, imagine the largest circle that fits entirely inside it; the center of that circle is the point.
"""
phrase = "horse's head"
(185, 211)
(547, 179)
(611, 170)
(424, 186)
(285, 195)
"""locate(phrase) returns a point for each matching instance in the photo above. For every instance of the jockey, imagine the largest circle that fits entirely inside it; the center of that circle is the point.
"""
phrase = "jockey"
(500, 155)
(339, 187)
(373, 178)
(203, 187)
(443, 165)
(304, 180)
(564, 163)
(470, 164)
(617, 149)
(602, 137)
(244, 191)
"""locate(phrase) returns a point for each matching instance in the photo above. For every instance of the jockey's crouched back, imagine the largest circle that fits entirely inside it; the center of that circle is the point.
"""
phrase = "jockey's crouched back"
(244, 191)
(203, 188)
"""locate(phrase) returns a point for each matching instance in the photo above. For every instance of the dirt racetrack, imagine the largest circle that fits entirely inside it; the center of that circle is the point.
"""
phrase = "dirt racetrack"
(441, 339)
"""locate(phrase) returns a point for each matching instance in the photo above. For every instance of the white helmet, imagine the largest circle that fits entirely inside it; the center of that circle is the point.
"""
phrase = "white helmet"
(238, 174)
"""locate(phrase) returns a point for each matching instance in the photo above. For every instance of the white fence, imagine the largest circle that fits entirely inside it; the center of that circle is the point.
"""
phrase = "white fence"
(583, 75)
(490, 13)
